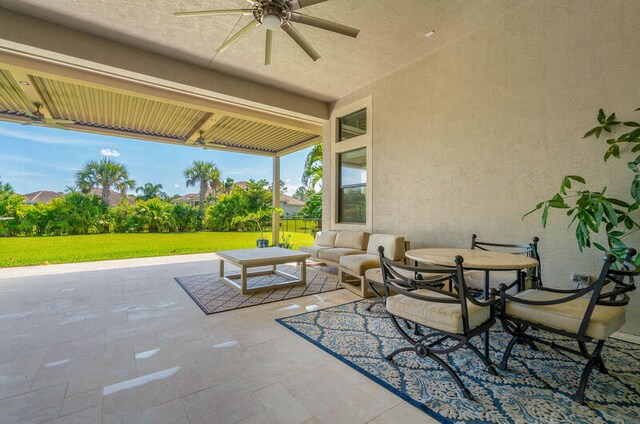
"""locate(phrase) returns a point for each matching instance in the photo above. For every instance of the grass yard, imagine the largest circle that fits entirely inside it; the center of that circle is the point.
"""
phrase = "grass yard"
(21, 251)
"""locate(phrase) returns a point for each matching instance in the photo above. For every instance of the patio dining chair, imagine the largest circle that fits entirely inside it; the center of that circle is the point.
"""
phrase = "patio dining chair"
(453, 317)
(476, 279)
(590, 314)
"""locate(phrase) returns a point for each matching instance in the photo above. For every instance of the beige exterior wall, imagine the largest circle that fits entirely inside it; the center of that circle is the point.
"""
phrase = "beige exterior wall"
(469, 138)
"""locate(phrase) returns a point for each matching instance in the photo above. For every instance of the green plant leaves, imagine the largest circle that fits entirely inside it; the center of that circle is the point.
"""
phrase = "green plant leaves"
(614, 150)
(601, 116)
(545, 215)
(635, 188)
(591, 210)
(566, 182)
(592, 131)
(599, 246)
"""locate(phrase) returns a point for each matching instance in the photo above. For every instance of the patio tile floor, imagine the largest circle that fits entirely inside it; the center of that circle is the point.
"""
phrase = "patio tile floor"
(121, 342)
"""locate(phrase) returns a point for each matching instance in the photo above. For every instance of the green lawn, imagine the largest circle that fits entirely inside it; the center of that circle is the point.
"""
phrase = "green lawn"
(20, 251)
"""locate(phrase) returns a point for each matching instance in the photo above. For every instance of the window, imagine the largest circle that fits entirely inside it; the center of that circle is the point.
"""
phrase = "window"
(351, 158)
(352, 186)
(352, 125)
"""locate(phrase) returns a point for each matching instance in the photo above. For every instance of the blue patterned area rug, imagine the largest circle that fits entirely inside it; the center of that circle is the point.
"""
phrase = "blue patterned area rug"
(537, 387)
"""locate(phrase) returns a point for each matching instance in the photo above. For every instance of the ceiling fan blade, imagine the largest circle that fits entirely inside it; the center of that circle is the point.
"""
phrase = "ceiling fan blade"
(302, 42)
(324, 24)
(214, 12)
(299, 4)
(268, 52)
(251, 25)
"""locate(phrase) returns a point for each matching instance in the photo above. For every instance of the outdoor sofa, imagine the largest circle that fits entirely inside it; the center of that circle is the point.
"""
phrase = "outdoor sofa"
(354, 253)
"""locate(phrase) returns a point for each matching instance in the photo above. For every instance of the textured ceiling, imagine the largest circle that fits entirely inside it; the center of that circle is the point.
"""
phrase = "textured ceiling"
(391, 37)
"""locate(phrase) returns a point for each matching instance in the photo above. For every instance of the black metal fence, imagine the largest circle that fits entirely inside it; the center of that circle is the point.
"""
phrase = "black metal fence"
(297, 224)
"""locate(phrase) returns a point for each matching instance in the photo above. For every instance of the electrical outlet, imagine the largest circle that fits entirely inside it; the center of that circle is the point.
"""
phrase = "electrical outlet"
(580, 280)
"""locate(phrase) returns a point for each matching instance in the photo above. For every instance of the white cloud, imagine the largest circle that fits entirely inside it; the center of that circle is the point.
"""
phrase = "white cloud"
(110, 152)
(44, 138)
(291, 189)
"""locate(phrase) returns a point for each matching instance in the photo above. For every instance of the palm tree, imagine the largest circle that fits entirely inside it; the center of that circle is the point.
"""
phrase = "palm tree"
(228, 185)
(312, 174)
(104, 174)
(150, 191)
(206, 174)
(6, 189)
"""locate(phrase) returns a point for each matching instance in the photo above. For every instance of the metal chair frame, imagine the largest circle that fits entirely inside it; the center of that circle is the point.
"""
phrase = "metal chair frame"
(421, 345)
(615, 296)
(529, 249)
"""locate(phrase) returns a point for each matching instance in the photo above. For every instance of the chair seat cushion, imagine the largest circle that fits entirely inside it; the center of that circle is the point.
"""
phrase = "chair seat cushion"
(358, 264)
(313, 250)
(475, 279)
(567, 316)
(334, 254)
(440, 316)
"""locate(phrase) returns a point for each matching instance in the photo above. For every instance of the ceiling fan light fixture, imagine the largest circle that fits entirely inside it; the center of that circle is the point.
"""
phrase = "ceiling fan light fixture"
(271, 21)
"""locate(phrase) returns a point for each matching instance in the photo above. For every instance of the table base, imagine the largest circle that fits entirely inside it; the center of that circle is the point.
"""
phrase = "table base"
(292, 281)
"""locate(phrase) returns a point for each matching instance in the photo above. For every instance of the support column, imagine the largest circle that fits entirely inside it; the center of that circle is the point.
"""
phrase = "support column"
(275, 222)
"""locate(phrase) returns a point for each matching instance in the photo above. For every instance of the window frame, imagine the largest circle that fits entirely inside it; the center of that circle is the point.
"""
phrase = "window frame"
(341, 187)
(338, 147)
(340, 125)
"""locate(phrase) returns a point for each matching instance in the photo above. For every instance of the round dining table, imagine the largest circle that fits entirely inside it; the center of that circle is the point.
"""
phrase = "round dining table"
(477, 260)
(473, 258)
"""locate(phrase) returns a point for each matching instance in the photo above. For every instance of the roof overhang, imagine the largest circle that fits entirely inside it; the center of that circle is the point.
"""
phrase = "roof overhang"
(108, 88)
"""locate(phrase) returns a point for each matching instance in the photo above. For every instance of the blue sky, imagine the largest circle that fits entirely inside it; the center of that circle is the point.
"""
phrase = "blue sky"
(36, 158)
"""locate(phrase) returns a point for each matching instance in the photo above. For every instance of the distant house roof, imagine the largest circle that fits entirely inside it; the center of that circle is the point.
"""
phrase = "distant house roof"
(241, 184)
(187, 198)
(42, 196)
(114, 198)
(290, 201)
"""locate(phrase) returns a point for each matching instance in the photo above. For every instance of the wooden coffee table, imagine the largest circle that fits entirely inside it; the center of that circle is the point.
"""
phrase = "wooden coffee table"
(259, 257)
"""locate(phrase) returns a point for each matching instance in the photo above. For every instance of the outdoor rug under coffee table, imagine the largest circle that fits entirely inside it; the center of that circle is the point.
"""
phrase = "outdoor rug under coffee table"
(213, 295)
(537, 387)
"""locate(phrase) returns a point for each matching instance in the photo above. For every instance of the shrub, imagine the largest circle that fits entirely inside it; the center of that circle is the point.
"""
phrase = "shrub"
(222, 216)
(73, 214)
(186, 218)
(154, 216)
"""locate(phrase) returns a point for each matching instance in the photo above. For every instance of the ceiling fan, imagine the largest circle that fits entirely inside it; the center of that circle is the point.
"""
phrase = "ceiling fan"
(274, 14)
(38, 118)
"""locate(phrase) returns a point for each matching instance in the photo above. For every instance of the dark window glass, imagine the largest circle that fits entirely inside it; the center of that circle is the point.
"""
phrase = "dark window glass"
(352, 125)
(352, 191)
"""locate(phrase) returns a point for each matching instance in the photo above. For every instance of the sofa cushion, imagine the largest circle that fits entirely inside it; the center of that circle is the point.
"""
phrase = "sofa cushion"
(334, 254)
(568, 315)
(313, 250)
(393, 246)
(325, 238)
(358, 264)
(441, 316)
(352, 240)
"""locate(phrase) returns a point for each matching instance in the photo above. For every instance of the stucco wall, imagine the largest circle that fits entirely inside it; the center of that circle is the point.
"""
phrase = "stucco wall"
(469, 138)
